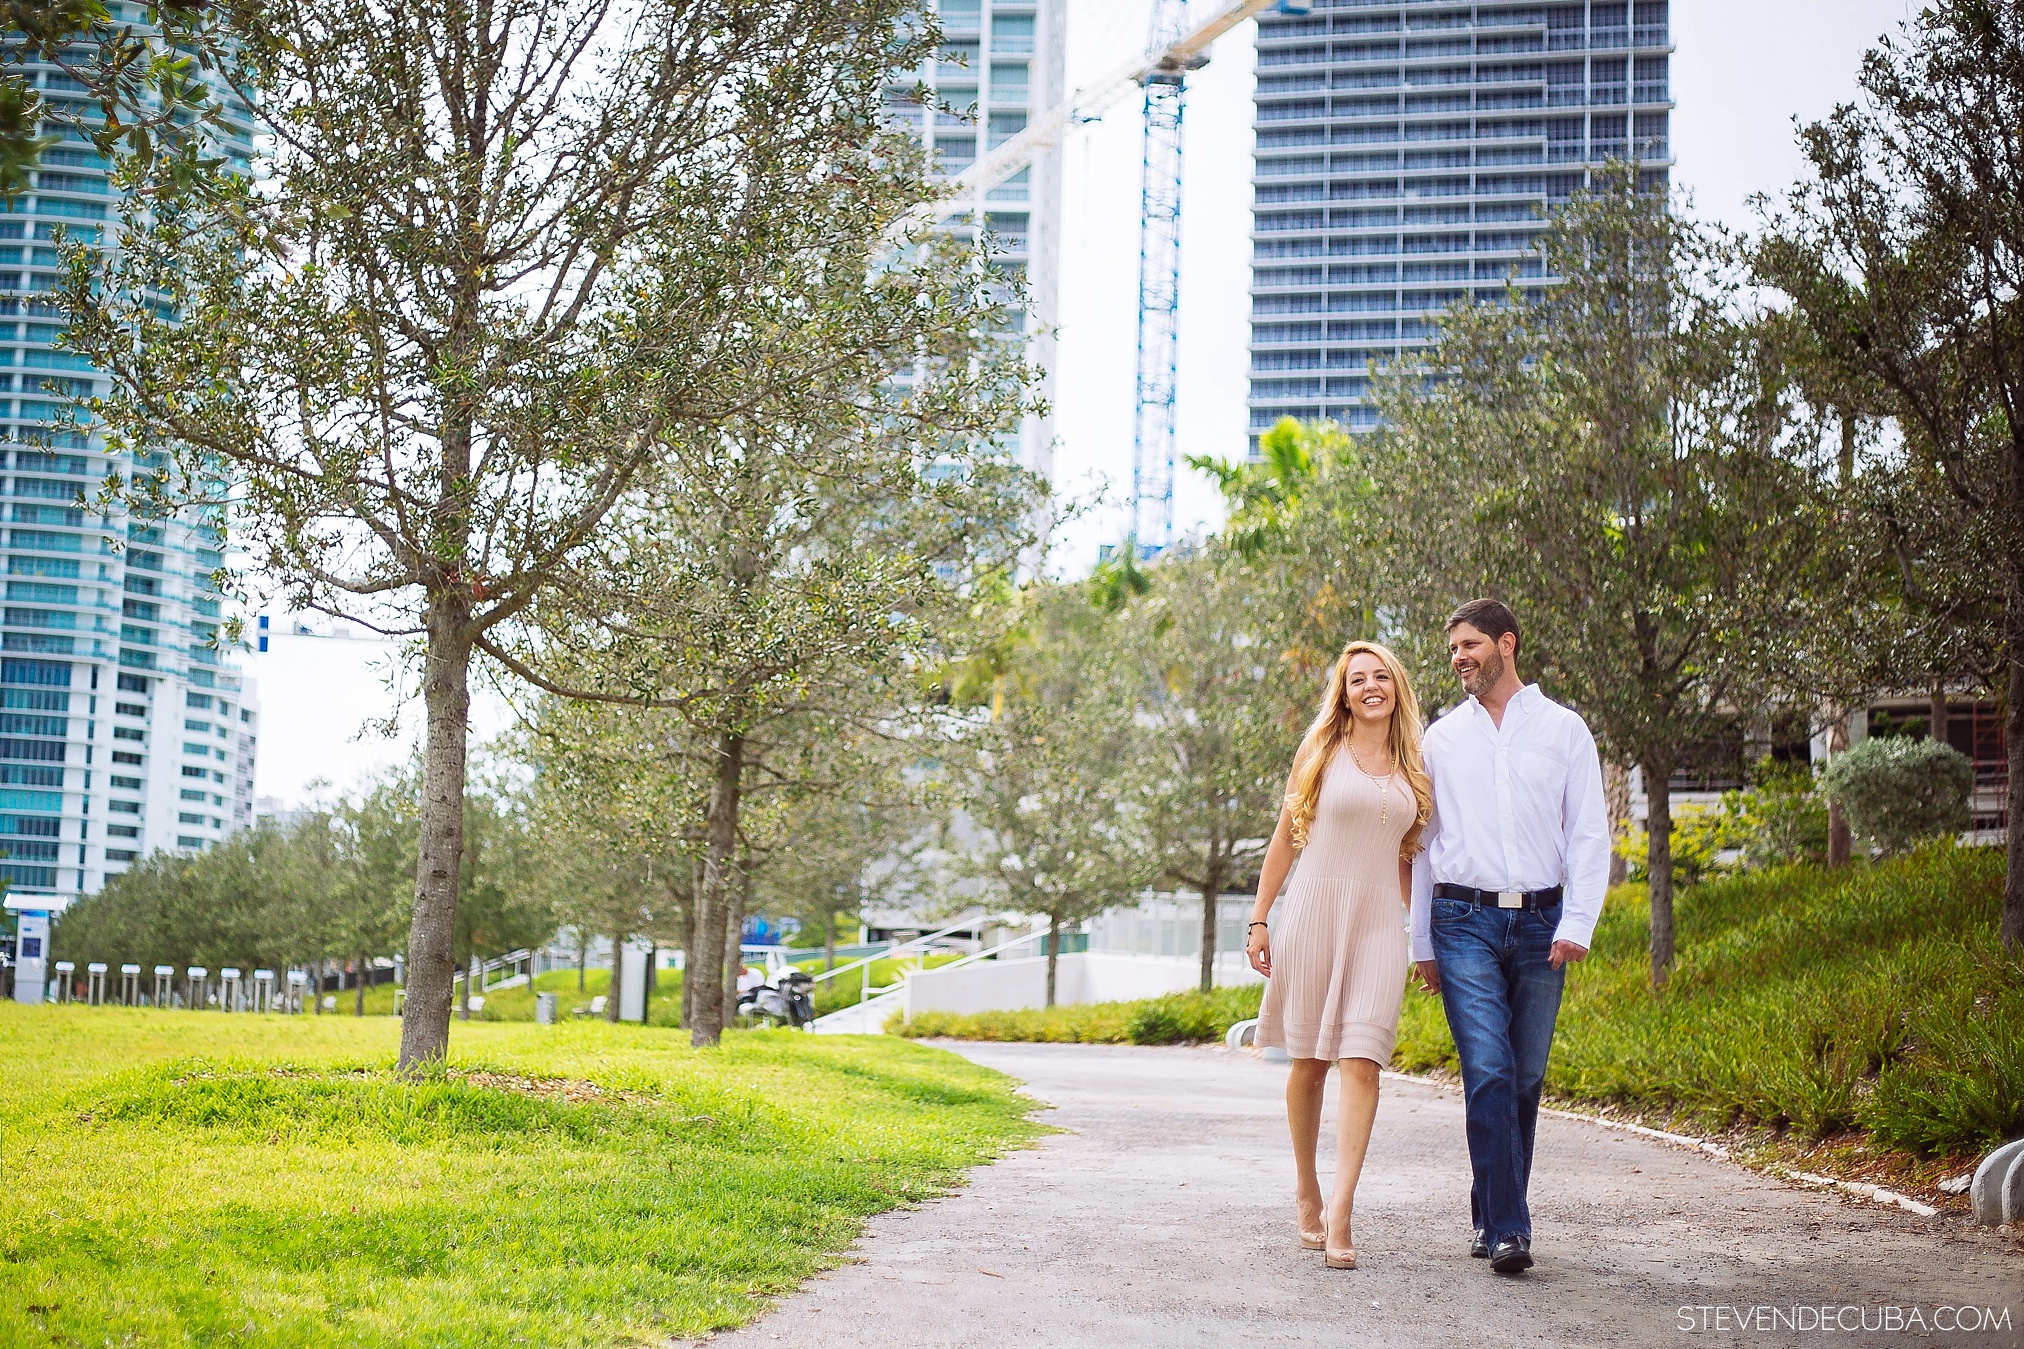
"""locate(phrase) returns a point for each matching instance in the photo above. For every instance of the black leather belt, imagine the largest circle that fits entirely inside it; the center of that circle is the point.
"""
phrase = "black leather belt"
(1500, 899)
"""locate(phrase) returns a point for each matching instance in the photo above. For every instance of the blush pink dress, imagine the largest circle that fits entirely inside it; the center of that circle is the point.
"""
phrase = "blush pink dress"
(1339, 950)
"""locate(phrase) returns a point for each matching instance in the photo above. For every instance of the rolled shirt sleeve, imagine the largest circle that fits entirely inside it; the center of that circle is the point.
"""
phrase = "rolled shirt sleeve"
(1585, 818)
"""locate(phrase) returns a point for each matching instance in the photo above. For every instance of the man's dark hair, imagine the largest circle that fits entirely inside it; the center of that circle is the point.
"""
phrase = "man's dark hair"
(1492, 618)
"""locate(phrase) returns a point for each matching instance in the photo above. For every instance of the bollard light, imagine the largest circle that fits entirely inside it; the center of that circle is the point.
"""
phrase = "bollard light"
(129, 985)
(66, 970)
(263, 990)
(196, 987)
(165, 993)
(228, 988)
(95, 983)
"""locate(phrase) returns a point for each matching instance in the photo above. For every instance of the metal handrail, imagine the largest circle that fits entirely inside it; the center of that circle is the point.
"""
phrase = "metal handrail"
(894, 951)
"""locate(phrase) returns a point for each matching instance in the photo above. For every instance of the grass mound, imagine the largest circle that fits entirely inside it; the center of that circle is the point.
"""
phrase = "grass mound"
(1177, 1018)
(201, 1178)
(1874, 999)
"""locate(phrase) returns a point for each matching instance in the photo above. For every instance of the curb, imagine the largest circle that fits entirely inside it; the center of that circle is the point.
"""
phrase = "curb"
(1719, 1151)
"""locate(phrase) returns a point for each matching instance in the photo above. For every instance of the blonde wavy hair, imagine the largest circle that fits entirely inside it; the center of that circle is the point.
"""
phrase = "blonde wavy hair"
(1330, 731)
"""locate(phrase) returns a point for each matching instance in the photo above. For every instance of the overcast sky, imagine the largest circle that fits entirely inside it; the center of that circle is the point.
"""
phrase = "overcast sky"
(1743, 73)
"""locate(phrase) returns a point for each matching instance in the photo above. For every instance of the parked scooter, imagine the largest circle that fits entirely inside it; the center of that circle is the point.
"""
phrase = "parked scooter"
(789, 1001)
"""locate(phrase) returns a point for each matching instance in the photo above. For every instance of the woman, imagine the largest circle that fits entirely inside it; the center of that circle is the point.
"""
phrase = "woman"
(1355, 805)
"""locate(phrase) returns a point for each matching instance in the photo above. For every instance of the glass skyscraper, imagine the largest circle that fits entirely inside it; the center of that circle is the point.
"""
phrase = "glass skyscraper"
(1403, 154)
(1003, 62)
(122, 728)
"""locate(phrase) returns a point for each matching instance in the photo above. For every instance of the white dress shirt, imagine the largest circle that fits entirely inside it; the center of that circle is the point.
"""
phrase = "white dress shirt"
(1516, 807)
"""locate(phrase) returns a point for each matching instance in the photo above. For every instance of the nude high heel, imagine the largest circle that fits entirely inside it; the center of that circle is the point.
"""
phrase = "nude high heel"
(1314, 1241)
(1342, 1259)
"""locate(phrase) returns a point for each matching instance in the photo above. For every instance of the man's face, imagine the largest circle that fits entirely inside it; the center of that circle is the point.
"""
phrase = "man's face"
(1479, 661)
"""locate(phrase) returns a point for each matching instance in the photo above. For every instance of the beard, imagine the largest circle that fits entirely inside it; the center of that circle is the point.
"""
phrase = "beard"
(1488, 674)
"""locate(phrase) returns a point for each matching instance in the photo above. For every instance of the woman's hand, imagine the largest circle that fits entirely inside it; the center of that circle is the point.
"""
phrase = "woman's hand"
(1259, 949)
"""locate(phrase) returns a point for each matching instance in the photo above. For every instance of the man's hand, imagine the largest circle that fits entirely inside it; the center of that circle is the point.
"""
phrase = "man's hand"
(1430, 975)
(1565, 953)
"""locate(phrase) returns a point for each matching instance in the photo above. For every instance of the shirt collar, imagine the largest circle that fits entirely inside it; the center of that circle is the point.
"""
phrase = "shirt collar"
(1520, 701)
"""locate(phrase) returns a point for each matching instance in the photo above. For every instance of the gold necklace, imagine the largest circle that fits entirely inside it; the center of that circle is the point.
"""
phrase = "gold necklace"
(1383, 785)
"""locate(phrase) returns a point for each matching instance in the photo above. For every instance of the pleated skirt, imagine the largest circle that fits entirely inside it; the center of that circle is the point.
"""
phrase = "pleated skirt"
(1339, 960)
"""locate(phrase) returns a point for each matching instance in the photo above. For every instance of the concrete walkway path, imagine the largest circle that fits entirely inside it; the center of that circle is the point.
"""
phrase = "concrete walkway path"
(1165, 1218)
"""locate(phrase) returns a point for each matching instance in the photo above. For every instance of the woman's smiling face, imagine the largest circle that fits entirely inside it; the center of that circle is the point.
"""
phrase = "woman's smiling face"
(1367, 688)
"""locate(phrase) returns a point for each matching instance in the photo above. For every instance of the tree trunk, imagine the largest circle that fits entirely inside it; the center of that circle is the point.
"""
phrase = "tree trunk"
(322, 972)
(705, 964)
(653, 958)
(1659, 866)
(1616, 801)
(582, 959)
(1213, 868)
(470, 980)
(734, 934)
(1840, 841)
(689, 962)
(2013, 730)
(431, 959)
(1936, 715)
(617, 974)
(829, 942)
(1053, 953)
(358, 988)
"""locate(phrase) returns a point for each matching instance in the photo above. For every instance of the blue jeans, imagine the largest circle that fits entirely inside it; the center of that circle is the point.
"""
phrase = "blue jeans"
(1502, 999)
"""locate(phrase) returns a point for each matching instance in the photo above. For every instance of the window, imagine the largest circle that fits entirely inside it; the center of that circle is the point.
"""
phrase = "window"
(132, 683)
(192, 748)
(187, 817)
(192, 795)
(120, 854)
(190, 771)
(201, 701)
(124, 807)
(131, 709)
(128, 733)
(188, 841)
(121, 756)
(131, 784)
(192, 724)
(122, 831)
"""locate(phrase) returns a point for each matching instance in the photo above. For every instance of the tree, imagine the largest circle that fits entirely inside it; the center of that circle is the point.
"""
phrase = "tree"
(507, 258)
(1041, 781)
(1903, 257)
(803, 561)
(1216, 721)
(1617, 459)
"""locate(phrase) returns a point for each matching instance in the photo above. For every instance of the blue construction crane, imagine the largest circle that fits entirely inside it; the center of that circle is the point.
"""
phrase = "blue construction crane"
(1159, 282)
(1173, 50)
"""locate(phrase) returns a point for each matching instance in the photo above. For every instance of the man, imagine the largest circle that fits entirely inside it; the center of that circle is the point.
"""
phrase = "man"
(1505, 896)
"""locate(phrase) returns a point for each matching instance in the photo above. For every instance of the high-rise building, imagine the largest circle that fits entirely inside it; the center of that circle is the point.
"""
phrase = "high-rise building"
(1404, 152)
(1003, 62)
(123, 729)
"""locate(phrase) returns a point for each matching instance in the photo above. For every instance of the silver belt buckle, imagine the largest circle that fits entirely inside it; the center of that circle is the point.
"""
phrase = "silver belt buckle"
(1510, 899)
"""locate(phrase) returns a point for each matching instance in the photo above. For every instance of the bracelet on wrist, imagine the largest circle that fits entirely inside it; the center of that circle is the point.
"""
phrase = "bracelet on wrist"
(1259, 922)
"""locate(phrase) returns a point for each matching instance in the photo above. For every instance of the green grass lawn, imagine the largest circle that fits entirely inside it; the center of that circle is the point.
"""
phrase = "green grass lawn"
(196, 1178)
(664, 1008)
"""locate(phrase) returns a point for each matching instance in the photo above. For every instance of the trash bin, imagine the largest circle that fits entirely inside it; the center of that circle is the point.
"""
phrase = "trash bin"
(544, 1008)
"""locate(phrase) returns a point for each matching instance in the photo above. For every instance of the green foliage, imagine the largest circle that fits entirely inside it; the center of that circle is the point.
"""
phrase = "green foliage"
(1700, 835)
(269, 1181)
(1176, 1018)
(1876, 999)
(336, 884)
(1781, 819)
(1898, 791)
